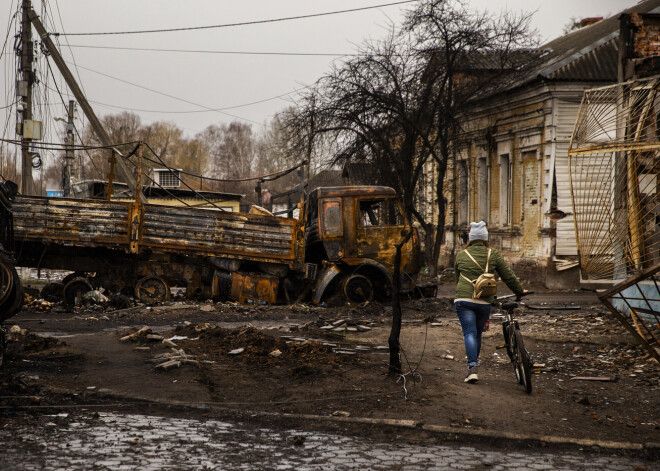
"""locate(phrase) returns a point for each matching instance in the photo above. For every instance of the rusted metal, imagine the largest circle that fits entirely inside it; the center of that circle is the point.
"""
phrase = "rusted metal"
(635, 302)
(133, 227)
(254, 254)
(152, 289)
(11, 289)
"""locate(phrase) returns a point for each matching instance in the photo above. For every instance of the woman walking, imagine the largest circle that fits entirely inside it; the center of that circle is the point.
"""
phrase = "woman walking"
(474, 295)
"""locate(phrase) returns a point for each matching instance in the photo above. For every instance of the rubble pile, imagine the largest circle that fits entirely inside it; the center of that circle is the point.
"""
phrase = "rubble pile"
(601, 349)
(36, 303)
(249, 346)
(175, 358)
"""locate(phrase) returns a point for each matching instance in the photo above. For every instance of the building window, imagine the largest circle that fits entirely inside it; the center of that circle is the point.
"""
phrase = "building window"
(505, 190)
(463, 194)
(482, 190)
(167, 178)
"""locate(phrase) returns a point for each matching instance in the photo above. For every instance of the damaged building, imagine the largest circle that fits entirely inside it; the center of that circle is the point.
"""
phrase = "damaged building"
(512, 168)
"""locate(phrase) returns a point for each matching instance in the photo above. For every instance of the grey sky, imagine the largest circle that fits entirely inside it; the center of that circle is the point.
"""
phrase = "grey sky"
(227, 80)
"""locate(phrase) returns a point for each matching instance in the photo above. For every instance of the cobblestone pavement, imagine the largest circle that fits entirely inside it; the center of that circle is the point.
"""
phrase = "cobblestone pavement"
(112, 441)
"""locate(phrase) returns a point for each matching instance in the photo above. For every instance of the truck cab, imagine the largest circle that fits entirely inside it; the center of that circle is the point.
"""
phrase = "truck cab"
(351, 232)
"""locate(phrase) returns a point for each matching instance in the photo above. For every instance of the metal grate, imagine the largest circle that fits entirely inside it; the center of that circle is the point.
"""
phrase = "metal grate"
(168, 178)
(636, 303)
(615, 179)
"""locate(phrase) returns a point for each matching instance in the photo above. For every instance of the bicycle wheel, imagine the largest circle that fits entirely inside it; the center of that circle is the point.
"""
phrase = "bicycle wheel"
(523, 363)
(508, 339)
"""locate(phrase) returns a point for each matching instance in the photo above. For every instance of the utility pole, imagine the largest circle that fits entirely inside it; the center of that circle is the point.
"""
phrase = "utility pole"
(25, 94)
(84, 104)
(69, 158)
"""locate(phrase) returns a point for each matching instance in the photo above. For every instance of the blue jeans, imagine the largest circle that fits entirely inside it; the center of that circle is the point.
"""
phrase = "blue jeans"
(473, 318)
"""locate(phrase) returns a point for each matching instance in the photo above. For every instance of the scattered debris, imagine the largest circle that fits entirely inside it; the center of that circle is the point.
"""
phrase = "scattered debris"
(143, 332)
(584, 401)
(168, 365)
(595, 378)
(95, 296)
(15, 332)
(236, 351)
(341, 413)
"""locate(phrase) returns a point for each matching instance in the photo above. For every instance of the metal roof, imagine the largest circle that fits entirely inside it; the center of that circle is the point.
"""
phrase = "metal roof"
(588, 54)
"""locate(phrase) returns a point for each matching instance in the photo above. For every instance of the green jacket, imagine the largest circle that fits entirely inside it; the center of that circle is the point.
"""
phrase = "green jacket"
(466, 266)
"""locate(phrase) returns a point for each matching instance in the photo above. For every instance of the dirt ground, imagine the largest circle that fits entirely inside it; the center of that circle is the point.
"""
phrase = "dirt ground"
(333, 361)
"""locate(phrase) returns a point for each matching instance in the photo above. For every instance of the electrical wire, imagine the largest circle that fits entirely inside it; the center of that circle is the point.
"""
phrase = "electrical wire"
(281, 96)
(167, 95)
(229, 25)
(60, 147)
(222, 180)
(202, 51)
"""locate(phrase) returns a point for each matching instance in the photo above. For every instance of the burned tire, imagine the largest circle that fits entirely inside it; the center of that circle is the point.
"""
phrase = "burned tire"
(152, 289)
(3, 345)
(11, 297)
(357, 289)
(75, 289)
(6, 282)
(72, 276)
(53, 292)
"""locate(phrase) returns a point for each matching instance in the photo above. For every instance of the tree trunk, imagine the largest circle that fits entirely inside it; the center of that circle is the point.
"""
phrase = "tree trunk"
(393, 341)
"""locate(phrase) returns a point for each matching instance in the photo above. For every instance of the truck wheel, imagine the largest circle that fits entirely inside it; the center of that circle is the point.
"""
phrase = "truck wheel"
(357, 289)
(152, 289)
(3, 345)
(76, 288)
(6, 282)
(73, 276)
(12, 300)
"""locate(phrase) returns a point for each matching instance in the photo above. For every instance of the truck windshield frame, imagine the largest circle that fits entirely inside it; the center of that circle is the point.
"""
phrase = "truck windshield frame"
(381, 212)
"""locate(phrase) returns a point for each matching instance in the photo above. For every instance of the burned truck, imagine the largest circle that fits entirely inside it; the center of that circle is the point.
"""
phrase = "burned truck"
(341, 244)
(11, 289)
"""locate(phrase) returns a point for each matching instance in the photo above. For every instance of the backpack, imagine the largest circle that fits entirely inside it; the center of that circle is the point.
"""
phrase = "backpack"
(485, 285)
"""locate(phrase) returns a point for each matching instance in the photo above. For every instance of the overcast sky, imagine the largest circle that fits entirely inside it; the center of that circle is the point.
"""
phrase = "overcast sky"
(180, 87)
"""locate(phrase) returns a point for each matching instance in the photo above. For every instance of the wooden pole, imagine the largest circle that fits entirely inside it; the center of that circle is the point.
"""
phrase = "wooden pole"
(82, 100)
(27, 75)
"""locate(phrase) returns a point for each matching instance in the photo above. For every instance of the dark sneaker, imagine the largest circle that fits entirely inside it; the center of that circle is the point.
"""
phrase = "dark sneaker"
(472, 375)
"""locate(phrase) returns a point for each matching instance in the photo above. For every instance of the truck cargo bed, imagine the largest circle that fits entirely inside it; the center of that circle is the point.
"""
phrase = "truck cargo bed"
(169, 229)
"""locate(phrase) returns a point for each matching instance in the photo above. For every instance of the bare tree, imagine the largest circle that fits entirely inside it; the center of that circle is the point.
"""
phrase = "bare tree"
(469, 55)
(231, 153)
(379, 109)
(122, 128)
(398, 104)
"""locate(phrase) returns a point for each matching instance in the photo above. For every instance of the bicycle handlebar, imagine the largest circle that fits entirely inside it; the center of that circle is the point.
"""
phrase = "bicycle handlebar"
(517, 296)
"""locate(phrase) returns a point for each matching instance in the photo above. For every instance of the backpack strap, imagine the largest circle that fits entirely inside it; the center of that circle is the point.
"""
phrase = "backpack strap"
(472, 282)
(487, 260)
(477, 263)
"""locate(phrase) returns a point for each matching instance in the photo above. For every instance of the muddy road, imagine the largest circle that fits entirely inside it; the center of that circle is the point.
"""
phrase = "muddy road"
(332, 362)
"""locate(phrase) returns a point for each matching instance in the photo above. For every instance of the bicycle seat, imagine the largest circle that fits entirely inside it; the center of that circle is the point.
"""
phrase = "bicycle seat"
(509, 305)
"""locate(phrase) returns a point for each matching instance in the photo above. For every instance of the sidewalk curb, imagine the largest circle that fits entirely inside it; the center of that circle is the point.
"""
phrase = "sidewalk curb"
(648, 449)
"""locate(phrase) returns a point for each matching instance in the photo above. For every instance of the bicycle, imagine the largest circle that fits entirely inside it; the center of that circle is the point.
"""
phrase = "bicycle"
(513, 340)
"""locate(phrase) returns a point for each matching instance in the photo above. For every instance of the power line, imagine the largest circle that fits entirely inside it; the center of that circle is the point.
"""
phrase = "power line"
(277, 97)
(229, 25)
(206, 51)
(167, 95)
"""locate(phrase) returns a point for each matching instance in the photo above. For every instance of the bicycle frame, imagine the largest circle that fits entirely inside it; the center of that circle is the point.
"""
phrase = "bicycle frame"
(515, 345)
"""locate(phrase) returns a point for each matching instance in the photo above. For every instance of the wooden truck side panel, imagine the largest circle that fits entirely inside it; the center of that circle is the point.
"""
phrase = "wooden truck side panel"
(136, 227)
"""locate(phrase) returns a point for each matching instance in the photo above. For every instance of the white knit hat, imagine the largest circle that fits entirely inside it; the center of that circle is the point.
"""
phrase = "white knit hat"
(478, 231)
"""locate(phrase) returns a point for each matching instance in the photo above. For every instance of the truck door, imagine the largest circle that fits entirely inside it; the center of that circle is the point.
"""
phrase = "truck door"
(380, 226)
(332, 227)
